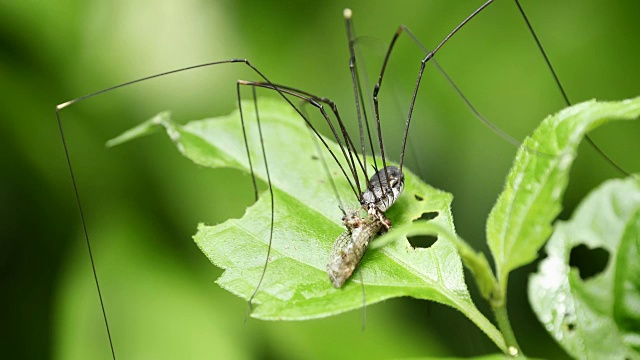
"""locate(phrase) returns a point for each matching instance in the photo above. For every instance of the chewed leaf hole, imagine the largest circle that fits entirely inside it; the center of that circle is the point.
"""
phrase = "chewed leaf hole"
(568, 323)
(422, 241)
(418, 197)
(589, 262)
(570, 327)
(429, 215)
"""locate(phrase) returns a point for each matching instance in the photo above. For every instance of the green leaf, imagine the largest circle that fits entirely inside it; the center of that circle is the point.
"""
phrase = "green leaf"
(596, 317)
(475, 261)
(520, 221)
(482, 357)
(146, 128)
(626, 292)
(307, 222)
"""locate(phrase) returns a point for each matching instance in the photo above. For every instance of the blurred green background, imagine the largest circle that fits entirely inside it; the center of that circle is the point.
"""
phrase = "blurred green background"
(143, 200)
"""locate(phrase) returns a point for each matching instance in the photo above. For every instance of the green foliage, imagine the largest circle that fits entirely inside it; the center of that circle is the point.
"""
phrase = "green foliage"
(595, 317)
(484, 357)
(307, 221)
(520, 221)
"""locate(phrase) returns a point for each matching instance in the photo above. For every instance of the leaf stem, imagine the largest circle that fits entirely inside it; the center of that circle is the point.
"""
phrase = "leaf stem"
(477, 263)
(502, 317)
(485, 325)
(507, 332)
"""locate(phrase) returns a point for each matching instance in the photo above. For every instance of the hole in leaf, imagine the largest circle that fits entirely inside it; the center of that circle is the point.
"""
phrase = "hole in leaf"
(429, 215)
(418, 197)
(422, 241)
(589, 262)
(568, 324)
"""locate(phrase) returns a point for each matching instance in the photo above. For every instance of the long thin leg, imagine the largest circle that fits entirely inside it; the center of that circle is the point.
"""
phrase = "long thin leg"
(246, 142)
(488, 123)
(315, 101)
(266, 165)
(359, 101)
(66, 104)
(303, 95)
(423, 63)
(61, 106)
(85, 231)
(562, 91)
(364, 299)
(362, 98)
(366, 122)
(357, 91)
(464, 98)
(404, 29)
(352, 65)
(334, 108)
(325, 166)
(307, 98)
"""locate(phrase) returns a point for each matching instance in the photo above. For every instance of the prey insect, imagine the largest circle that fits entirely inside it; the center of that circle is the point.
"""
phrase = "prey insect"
(351, 245)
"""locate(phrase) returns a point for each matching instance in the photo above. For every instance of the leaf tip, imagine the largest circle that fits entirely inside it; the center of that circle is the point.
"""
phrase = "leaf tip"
(143, 129)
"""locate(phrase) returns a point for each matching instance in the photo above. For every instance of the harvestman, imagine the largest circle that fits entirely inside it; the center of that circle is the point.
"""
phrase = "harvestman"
(382, 189)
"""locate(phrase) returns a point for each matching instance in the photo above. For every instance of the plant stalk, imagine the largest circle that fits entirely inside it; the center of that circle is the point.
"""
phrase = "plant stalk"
(502, 317)
(486, 326)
